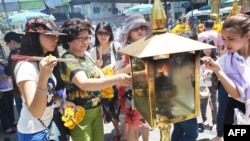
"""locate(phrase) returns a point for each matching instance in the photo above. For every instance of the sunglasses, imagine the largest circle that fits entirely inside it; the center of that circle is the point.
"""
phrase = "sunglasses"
(142, 28)
(101, 33)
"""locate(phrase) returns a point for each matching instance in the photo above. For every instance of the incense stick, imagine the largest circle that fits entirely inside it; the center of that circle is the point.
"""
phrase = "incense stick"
(36, 58)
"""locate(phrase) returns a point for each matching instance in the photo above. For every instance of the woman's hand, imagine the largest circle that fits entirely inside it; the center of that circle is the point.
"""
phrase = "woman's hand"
(4, 77)
(123, 79)
(47, 65)
(211, 64)
(68, 104)
(99, 63)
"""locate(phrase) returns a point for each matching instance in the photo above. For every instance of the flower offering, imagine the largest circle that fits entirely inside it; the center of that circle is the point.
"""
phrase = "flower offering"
(73, 117)
(108, 92)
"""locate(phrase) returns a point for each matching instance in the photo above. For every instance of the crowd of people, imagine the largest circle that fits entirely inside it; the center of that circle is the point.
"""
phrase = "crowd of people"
(38, 86)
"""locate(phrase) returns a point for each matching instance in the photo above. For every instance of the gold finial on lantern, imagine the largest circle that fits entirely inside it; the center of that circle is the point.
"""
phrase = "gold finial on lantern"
(158, 18)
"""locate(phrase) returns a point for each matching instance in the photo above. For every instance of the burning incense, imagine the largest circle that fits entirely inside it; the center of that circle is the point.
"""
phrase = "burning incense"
(35, 58)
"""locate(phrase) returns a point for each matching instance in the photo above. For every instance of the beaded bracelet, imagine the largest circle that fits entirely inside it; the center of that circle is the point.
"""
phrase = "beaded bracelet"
(41, 90)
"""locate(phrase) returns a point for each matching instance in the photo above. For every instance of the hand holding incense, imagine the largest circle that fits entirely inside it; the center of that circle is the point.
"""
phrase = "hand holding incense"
(205, 59)
(36, 58)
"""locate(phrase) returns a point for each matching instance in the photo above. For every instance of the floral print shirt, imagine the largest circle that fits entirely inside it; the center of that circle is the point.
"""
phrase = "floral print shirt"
(87, 99)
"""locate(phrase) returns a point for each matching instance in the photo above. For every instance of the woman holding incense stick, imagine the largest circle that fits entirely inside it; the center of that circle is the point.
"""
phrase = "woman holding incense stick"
(104, 53)
(85, 80)
(38, 81)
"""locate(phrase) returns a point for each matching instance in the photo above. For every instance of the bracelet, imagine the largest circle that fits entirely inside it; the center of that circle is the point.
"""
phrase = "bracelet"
(62, 103)
(41, 90)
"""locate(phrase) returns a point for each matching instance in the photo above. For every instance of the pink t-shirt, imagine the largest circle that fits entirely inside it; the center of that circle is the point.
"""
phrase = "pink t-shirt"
(213, 35)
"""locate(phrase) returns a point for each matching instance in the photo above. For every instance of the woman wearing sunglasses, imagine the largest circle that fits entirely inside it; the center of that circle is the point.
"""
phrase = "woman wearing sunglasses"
(134, 29)
(104, 53)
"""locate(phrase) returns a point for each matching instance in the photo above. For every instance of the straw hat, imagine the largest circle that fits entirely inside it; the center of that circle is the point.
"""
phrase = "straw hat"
(132, 22)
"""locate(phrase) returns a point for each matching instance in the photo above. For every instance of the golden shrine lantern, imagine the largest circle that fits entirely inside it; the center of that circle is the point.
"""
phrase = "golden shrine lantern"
(166, 87)
(245, 6)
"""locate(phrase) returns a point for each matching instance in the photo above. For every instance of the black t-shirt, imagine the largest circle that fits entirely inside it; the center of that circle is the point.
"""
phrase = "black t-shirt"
(8, 68)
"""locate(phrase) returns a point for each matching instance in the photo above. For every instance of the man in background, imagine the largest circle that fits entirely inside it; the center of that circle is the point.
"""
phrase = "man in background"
(209, 33)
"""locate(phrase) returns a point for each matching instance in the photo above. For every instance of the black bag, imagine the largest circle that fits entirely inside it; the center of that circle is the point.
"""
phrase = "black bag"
(214, 80)
(64, 131)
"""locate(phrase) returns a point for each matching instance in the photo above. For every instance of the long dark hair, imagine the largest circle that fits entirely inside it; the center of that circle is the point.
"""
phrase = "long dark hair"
(107, 27)
(213, 50)
(31, 46)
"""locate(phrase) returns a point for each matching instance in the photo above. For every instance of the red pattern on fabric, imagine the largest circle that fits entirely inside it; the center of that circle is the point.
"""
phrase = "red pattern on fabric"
(133, 117)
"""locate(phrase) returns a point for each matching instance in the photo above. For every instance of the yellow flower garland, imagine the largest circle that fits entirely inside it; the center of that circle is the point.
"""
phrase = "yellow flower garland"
(217, 27)
(108, 92)
(73, 117)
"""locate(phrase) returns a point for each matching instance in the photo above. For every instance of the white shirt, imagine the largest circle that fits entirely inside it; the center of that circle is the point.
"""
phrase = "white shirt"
(25, 70)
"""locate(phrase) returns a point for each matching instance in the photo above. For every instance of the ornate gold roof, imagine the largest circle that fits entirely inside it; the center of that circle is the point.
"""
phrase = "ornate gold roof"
(160, 44)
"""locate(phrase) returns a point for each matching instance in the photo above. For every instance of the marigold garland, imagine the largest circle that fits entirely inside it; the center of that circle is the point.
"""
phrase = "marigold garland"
(217, 27)
(108, 92)
(73, 117)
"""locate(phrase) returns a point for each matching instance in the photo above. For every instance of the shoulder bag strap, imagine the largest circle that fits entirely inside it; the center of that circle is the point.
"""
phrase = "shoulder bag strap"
(42, 123)
(113, 53)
